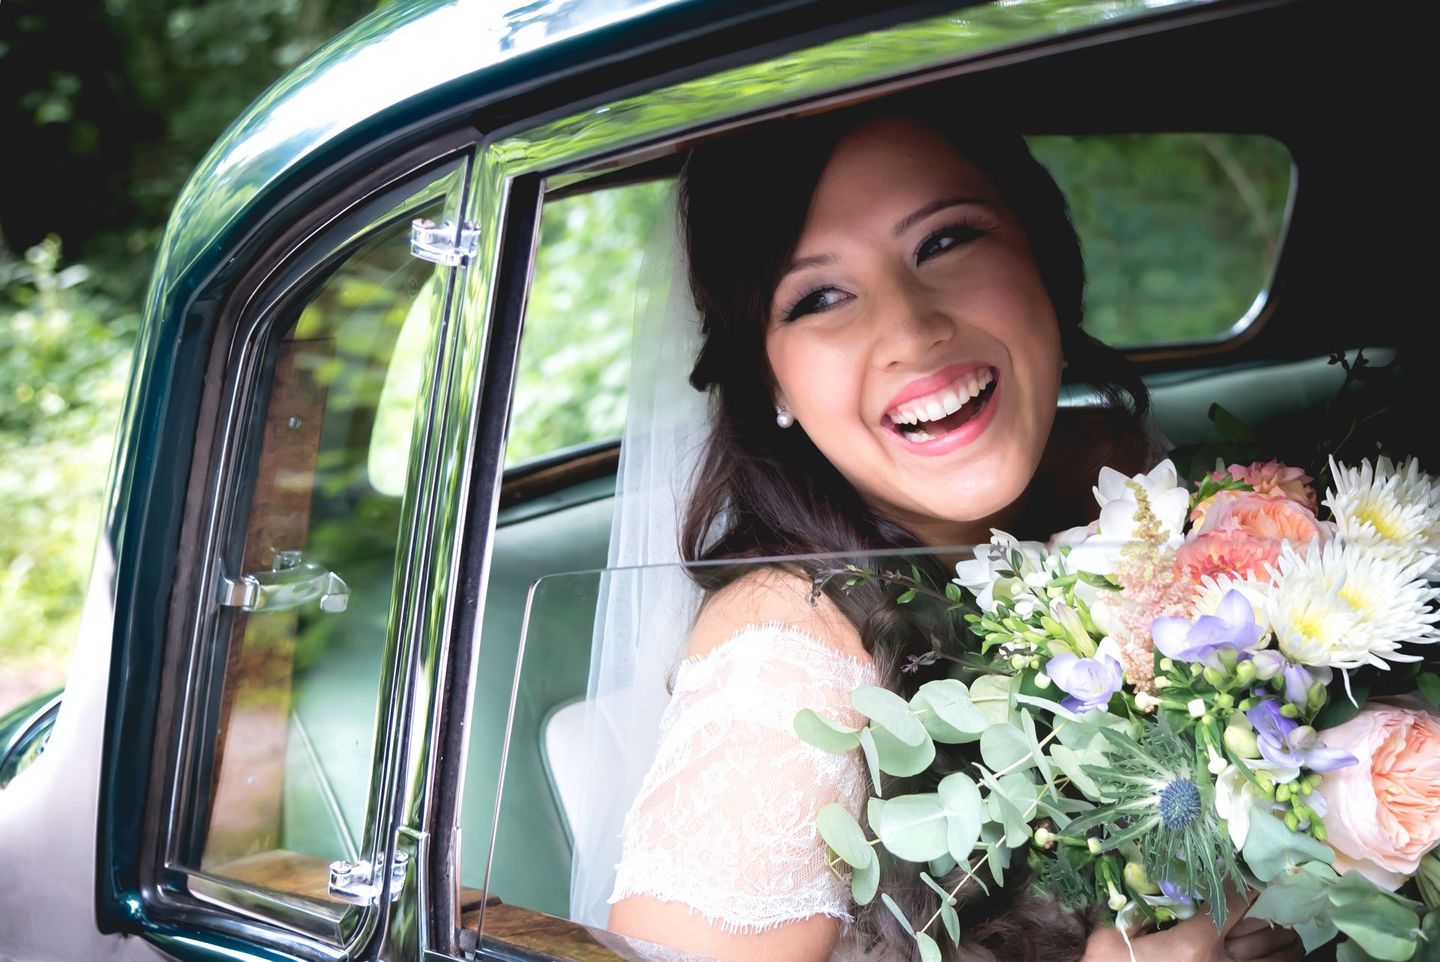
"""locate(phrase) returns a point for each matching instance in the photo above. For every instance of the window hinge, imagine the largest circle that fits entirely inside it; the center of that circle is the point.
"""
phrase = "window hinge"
(437, 242)
(359, 882)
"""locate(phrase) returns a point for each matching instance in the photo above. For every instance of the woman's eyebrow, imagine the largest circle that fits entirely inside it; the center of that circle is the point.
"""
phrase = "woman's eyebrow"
(817, 260)
(932, 207)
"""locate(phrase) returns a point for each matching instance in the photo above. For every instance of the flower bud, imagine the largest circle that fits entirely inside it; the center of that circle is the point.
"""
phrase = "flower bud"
(1217, 762)
(1223, 700)
(1244, 673)
(1316, 697)
(1292, 822)
(1289, 710)
(1240, 738)
(1042, 681)
(1138, 881)
(1166, 664)
(1196, 707)
(1267, 664)
(1117, 900)
(1146, 702)
(1044, 837)
(1093, 844)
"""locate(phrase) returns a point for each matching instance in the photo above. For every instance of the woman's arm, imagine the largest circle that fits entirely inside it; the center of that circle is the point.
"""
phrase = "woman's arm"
(675, 924)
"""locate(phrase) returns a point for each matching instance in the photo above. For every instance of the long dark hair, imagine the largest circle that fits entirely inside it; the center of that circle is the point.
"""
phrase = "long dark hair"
(761, 491)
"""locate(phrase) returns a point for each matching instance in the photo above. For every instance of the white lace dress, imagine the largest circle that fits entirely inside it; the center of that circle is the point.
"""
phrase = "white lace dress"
(725, 818)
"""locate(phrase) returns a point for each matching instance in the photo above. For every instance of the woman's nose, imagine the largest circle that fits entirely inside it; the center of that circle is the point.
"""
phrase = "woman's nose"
(909, 325)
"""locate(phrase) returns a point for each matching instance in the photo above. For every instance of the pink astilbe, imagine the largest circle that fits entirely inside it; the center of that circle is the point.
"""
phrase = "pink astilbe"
(1151, 587)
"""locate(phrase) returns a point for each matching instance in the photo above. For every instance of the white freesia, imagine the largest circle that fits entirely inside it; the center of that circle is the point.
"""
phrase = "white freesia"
(1236, 797)
(1393, 511)
(1115, 493)
(1343, 606)
(982, 575)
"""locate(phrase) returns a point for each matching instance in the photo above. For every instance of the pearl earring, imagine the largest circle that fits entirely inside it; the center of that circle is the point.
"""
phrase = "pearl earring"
(783, 418)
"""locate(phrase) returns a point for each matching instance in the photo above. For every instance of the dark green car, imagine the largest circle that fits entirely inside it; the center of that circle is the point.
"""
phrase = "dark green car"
(378, 391)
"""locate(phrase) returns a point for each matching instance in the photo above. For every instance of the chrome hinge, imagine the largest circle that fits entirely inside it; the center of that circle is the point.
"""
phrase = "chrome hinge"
(436, 242)
(359, 882)
(290, 583)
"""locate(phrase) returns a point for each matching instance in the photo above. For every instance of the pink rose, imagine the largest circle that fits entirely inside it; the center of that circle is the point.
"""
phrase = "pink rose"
(1384, 811)
(1272, 477)
(1228, 551)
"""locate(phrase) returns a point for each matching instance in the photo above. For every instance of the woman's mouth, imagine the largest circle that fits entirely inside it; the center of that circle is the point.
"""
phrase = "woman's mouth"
(938, 415)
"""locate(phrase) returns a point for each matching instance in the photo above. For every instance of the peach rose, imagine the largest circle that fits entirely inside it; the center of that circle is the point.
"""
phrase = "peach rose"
(1266, 477)
(1384, 811)
(1228, 551)
(1272, 516)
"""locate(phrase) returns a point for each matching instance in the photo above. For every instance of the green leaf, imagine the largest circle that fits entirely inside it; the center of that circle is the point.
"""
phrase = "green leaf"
(943, 865)
(945, 897)
(1271, 848)
(830, 736)
(913, 827)
(1351, 952)
(991, 694)
(1429, 950)
(1004, 745)
(872, 758)
(949, 714)
(1315, 934)
(1027, 727)
(1292, 899)
(1230, 427)
(951, 919)
(843, 834)
(929, 950)
(891, 712)
(963, 813)
(899, 915)
(1429, 685)
(864, 882)
(1069, 761)
(906, 596)
(897, 758)
(1382, 926)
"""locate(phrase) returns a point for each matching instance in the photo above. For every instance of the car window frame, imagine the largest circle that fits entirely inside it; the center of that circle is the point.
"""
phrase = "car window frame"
(522, 163)
(257, 305)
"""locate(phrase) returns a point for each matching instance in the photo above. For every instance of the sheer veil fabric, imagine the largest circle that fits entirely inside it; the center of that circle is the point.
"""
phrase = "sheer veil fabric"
(647, 603)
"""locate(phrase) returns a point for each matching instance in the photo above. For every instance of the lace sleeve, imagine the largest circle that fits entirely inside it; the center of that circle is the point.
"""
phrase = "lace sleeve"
(725, 818)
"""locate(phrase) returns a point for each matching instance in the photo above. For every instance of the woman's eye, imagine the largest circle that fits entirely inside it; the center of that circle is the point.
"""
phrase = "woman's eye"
(815, 302)
(945, 239)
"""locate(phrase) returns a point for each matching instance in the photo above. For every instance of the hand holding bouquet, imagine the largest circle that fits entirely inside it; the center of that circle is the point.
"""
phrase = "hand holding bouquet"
(1174, 700)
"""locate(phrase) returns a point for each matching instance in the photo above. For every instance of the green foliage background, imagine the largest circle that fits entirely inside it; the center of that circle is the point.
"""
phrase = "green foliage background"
(111, 104)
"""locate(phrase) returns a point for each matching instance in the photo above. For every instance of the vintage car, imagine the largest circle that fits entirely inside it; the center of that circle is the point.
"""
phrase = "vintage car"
(299, 686)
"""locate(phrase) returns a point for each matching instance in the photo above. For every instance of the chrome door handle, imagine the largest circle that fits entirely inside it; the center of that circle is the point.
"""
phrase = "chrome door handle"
(289, 584)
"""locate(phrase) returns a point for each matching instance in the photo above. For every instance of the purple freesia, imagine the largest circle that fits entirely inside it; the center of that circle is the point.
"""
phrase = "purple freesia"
(1088, 682)
(1232, 626)
(1284, 741)
(1175, 893)
(1299, 679)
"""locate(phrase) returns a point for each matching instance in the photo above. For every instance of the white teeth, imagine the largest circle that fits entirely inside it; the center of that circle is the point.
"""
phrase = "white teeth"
(953, 399)
(917, 436)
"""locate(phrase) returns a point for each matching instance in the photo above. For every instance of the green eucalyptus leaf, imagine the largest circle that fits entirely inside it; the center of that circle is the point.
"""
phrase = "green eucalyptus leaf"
(951, 920)
(964, 811)
(897, 758)
(934, 886)
(1021, 791)
(873, 808)
(951, 717)
(1291, 899)
(1005, 812)
(831, 736)
(843, 834)
(992, 836)
(1027, 727)
(1315, 933)
(872, 757)
(864, 882)
(1004, 745)
(1429, 950)
(1271, 848)
(913, 827)
(899, 915)
(1069, 762)
(889, 711)
(1382, 926)
(991, 694)
(929, 949)
(1350, 951)
(943, 865)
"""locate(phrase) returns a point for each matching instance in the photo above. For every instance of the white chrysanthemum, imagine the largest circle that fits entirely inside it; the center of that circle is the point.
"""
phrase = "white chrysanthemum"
(1395, 512)
(1212, 588)
(1343, 606)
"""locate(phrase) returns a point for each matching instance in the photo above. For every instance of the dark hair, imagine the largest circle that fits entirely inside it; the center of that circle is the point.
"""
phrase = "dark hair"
(761, 491)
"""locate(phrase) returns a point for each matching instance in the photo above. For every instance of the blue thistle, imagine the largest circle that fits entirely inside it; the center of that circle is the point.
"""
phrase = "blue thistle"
(1179, 804)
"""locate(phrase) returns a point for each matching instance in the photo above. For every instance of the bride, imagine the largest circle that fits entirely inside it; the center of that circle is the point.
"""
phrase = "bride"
(888, 304)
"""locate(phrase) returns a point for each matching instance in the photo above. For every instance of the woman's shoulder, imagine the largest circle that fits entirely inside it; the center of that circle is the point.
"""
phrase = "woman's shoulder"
(777, 601)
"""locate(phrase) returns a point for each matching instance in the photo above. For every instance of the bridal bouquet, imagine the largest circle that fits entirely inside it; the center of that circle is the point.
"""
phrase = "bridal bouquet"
(1177, 699)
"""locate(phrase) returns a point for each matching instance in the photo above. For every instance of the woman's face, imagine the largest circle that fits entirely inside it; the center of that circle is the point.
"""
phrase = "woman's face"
(912, 337)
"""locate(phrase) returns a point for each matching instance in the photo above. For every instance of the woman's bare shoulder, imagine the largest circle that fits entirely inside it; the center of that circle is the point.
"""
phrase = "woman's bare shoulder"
(772, 595)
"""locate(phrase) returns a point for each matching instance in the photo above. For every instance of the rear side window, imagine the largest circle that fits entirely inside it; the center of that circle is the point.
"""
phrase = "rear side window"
(1181, 232)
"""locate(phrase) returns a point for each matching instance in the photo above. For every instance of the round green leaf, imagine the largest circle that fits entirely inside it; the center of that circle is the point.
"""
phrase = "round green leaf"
(929, 950)
(913, 827)
(843, 834)
(898, 758)
(964, 811)
(873, 808)
(991, 694)
(865, 881)
(1271, 848)
(872, 756)
(888, 710)
(950, 716)
(1382, 927)
(1004, 745)
(825, 734)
